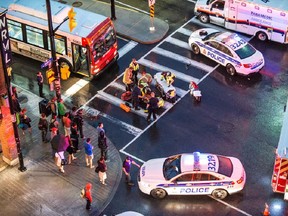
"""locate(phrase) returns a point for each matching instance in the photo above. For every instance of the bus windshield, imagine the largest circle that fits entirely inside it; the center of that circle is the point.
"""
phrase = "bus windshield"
(104, 43)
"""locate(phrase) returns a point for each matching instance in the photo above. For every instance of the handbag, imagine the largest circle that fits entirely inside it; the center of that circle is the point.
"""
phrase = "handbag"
(64, 162)
(97, 169)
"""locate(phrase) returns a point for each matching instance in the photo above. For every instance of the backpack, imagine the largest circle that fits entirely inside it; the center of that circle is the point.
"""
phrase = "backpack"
(102, 143)
(82, 194)
(40, 124)
(52, 125)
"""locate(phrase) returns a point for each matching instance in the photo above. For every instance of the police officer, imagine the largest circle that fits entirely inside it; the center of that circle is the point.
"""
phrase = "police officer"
(152, 107)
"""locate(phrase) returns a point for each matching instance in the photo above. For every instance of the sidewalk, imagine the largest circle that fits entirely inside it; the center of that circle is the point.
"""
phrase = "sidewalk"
(130, 23)
(42, 189)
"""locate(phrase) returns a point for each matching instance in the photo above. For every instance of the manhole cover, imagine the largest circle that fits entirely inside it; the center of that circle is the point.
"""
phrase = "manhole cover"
(77, 4)
(63, 2)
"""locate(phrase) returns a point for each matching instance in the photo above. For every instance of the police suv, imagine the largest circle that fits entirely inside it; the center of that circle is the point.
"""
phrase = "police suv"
(227, 49)
(192, 174)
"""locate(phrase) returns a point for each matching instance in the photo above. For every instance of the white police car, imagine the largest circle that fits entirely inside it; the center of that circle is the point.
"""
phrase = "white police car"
(192, 174)
(228, 49)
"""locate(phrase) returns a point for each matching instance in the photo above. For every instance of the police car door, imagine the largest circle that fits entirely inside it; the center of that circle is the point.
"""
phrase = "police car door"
(181, 185)
(217, 15)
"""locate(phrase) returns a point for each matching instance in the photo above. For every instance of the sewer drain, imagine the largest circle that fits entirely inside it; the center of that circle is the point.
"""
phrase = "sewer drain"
(77, 4)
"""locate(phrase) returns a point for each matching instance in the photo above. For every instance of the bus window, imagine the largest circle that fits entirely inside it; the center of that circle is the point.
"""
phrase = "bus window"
(60, 44)
(110, 37)
(35, 36)
(15, 30)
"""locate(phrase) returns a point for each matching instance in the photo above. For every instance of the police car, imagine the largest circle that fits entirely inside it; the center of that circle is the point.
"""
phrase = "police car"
(192, 174)
(227, 49)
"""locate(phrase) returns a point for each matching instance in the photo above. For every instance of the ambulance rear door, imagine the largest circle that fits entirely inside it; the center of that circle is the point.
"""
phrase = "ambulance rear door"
(231, 15)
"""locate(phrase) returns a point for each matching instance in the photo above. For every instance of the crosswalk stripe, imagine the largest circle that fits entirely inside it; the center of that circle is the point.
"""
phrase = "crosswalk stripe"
(125, 49)
(185, 31)
(116, 101)
(124, 126)
(182, 59)
(179, 43)
(158, 67)
(180, 92)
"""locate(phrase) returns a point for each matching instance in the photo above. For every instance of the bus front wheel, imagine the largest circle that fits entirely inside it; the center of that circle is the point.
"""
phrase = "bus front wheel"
(204, 18)
(262, 36)
(64, 63)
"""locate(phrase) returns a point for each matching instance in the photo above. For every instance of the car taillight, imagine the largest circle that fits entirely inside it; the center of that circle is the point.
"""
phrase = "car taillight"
(240, 180)
(247, 65)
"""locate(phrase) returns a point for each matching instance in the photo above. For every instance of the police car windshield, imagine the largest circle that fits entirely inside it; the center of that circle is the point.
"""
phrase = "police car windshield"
(225, 166)
(171, 167)
(212, 36)
(246, 51)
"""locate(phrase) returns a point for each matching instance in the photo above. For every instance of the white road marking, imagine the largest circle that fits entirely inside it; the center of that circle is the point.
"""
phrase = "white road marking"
(159, 67)
(125, 49)
(124, 126)
(179, 43)
(237, 209)
(185, 31)
(182, 59)
(193, 1)
(137, 9)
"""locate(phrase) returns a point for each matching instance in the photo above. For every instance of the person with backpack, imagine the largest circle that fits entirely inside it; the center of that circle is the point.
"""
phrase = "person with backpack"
(54, 123)
(43, 126)
(102, 144)
(24, 121)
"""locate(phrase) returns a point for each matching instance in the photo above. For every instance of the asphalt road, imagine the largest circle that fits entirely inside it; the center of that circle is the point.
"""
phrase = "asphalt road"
(238, 116)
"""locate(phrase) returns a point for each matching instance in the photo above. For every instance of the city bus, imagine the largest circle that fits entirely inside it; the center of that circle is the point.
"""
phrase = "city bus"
(88, 50)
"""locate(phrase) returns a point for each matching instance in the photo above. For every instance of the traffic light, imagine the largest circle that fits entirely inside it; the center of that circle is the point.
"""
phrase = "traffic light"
(50, 75)
(72, 20)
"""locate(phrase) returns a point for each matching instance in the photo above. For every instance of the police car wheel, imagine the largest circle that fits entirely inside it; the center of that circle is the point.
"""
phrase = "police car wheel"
(195, 49)
(204, 18)
(262, 36)
(219, 194)
(158, 193)
(230, 69)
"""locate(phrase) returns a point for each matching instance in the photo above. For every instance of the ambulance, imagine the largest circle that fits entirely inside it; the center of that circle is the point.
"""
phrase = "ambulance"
(192, 174)
(265, 19)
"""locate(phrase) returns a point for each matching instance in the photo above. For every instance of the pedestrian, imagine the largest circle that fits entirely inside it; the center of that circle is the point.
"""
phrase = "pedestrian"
(59, 156)
(135, 70)
(100, 128)
(88, 153)
(73, 113)
(40, 83)
(152, 107)
(78, 119)
(61, 109)
(88, 195)
(70, 150)
(52, 105)
(25, 121)
(54, 123)
(102, 144)
(54, 132)
(67, 124)
(14, 91)
(127, 78)
(102, 168)
(15, 104)
(127, 168)
(136, 95)
(43, 126)
(74, 136)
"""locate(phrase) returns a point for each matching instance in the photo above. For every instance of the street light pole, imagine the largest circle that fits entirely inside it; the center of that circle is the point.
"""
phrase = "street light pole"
(4, 57)
(57, 86)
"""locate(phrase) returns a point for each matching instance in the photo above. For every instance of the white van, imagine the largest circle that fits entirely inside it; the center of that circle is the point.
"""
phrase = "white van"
(268, 20)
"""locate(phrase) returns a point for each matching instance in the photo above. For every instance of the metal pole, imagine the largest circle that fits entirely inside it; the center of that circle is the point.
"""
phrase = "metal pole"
(113, 16)
(57, 86)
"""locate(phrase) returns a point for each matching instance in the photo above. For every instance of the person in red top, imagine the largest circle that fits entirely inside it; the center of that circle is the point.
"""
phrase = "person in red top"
(88, 195)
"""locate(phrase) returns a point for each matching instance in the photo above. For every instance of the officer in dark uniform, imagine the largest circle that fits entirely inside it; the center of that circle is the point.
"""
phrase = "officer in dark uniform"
(152, 107)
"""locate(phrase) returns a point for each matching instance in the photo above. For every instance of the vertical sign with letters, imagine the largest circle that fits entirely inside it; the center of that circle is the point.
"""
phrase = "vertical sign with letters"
(4, 40)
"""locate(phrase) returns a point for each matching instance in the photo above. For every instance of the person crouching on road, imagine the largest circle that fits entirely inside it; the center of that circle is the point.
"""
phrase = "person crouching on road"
(88, 195)
(88, 153)
(127, 78)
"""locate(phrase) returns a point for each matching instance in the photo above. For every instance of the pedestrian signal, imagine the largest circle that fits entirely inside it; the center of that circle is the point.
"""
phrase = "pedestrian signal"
(50, 75)
(72, 20)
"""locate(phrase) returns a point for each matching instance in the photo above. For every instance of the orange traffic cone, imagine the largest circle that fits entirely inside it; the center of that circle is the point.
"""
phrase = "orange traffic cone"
(266, 210)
